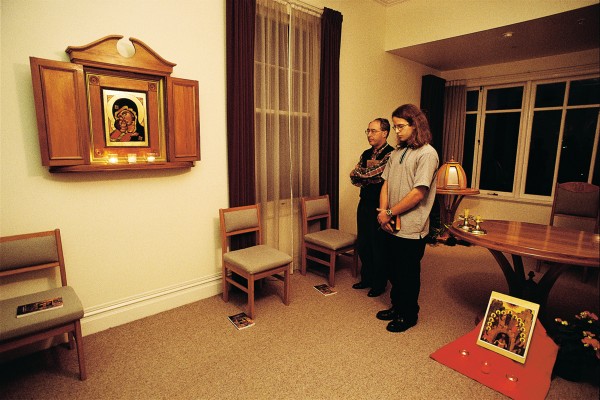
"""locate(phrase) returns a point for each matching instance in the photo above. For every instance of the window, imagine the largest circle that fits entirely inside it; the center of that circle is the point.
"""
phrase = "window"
(286, 59)
(522, 138)
(286, 101)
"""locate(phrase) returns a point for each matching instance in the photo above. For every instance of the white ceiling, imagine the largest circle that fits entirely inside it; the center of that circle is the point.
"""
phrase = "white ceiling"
(568, 32)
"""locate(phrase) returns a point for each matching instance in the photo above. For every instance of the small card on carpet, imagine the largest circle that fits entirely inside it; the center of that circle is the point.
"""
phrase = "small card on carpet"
(241, 320)
(324, 289)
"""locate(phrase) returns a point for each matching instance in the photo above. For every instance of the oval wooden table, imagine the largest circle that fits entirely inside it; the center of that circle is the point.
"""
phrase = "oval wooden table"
(561, 246)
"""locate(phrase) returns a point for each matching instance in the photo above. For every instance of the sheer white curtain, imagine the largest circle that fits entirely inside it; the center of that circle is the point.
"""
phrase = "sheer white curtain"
(286, 79)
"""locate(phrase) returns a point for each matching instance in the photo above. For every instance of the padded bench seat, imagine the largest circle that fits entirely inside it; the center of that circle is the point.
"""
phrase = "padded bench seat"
(12, 327)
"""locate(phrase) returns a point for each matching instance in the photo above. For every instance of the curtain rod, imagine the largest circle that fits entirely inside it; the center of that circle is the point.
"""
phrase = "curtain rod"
(300, 5)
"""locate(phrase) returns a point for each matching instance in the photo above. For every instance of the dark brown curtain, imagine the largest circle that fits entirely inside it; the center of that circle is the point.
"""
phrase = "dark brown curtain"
(240, 16)
(329, 110)
(432, 104)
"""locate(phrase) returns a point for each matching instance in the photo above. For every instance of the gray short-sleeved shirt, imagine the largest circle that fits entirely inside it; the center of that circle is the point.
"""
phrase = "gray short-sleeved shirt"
(418, 168)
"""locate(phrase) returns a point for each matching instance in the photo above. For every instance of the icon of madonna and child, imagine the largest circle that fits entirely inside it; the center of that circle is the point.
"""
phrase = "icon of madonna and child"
(125, 116)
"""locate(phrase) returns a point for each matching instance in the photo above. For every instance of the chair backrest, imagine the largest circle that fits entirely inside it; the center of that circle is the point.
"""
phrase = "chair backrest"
(238, 221)
(31, 252)
(576, 200)
(315, 209)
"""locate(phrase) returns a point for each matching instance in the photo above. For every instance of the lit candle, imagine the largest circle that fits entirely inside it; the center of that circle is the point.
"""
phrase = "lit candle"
(132, 158)
(486, 367)
(466, 213)
(113, 158)
(150, 157)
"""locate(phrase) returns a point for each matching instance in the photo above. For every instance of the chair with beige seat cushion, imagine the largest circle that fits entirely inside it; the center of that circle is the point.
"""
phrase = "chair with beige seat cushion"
(575, 206)
(254, 262)
(26, 255)
(317, 235)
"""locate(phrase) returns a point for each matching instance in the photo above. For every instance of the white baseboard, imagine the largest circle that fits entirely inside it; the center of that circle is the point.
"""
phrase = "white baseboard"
(105, 316)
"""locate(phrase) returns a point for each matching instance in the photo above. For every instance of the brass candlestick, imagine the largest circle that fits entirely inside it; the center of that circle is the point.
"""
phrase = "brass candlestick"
(465, 224)
(477, 229)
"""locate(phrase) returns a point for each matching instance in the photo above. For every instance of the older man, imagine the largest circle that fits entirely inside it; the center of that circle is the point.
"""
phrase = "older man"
(367, 176)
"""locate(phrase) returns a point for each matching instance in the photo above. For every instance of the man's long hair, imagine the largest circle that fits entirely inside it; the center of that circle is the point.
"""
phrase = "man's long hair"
(415, 117)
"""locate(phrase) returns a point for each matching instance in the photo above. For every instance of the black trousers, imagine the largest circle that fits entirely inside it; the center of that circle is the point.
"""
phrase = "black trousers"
(403, 261)
(372, 273)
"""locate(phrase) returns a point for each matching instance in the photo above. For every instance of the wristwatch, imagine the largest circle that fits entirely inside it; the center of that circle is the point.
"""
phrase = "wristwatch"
(388, 212)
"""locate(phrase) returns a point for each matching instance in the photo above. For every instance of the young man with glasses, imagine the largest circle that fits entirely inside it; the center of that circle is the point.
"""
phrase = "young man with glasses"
(408, 192)
(367, 176)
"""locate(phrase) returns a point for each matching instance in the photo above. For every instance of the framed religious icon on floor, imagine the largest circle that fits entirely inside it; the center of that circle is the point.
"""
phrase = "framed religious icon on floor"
(508, 326)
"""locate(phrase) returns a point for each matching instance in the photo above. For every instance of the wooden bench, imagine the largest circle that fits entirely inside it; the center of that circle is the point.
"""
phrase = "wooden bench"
(24, 254)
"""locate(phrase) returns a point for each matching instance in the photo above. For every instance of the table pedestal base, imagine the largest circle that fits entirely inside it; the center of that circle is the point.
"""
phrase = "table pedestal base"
(523, 288)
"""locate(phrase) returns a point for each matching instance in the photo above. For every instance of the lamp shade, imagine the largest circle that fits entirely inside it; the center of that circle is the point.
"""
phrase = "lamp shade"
(451, 175)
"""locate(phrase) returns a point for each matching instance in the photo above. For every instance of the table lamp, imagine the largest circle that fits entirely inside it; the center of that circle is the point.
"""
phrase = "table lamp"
(451, 175)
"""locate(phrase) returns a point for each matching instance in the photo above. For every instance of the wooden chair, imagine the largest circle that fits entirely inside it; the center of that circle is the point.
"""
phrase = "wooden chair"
(24, 255)
(331, 242)
(254, 262)
(575, 205)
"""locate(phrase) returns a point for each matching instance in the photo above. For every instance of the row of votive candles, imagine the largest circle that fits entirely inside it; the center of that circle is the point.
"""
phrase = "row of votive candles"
(132, 158)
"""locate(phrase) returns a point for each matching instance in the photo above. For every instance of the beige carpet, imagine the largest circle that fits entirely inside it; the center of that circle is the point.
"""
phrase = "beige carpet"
(316, 348)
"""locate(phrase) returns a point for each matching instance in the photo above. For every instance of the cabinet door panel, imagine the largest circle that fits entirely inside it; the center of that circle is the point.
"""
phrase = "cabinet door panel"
(59, 93)
(184, 120)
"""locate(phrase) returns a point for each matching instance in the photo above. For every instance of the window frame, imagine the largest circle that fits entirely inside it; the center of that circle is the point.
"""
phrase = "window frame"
(529, 83)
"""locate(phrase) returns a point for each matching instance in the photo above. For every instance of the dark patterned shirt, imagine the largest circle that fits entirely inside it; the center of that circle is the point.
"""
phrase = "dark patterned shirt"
(367, 173)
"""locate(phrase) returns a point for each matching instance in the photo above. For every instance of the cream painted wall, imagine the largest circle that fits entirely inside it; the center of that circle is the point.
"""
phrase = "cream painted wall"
(426, 21)
(135, 243)
(372, 84)
(139, 243)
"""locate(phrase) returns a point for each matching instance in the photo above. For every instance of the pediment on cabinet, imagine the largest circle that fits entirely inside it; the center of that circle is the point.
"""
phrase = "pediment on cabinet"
(107, 112)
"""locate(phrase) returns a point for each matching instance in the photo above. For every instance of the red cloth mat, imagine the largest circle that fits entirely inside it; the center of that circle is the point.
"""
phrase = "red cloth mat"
(533, 377)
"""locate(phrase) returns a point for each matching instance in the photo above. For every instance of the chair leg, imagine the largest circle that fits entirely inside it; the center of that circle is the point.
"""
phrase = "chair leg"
(332, 259)
(251, 296)
(286, 287)
(80, 355)
(225, 286)
(71, 339)
(303, 268)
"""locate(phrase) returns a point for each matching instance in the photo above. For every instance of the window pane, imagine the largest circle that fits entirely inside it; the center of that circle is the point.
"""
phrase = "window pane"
(584, 92)
(504, 99)
(470, 130)
(472, 100)
(577, 145)
(542, 152)
(501, 134)
(550, 94)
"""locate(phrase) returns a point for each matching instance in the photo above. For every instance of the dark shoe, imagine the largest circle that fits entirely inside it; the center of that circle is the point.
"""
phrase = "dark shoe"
(360, 285)
(401, 324)
(387, 315)
(375, 292)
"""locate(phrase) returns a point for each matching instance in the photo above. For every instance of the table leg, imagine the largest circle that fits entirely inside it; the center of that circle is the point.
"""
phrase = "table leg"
(447, 214)
(527, 289)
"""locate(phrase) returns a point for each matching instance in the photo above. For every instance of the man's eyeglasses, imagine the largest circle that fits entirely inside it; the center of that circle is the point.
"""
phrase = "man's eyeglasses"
(369, 131)
(400, 127)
